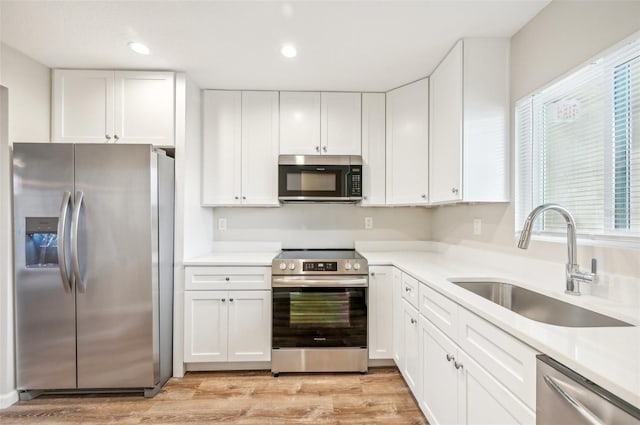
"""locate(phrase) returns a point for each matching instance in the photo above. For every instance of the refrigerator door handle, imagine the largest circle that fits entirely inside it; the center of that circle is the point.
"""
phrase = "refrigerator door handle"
(75, 260)
(62, 242)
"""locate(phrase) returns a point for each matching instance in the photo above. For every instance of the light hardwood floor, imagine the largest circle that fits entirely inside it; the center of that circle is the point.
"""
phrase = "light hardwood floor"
(379, 397)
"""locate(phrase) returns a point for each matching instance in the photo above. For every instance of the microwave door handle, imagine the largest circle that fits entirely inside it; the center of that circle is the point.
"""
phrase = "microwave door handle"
(347, 180)
(62, 242)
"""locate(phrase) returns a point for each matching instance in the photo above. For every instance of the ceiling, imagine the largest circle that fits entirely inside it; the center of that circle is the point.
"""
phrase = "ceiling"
(342, 45)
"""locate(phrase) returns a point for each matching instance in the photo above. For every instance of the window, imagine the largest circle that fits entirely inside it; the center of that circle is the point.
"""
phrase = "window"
(578, 145)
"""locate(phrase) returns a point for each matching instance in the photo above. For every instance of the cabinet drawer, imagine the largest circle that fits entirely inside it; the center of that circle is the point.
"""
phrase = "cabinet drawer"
(507, 359)
(410, 289)
(440, 310)
(232, 278)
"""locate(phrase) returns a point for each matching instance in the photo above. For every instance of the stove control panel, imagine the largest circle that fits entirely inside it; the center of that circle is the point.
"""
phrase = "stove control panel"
(316, 266)
(319, 266)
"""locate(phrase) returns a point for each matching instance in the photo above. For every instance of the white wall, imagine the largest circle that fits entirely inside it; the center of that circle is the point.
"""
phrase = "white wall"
(193, 224)
(29, 84)
(24, 118)
(322, 225)
(560, 38)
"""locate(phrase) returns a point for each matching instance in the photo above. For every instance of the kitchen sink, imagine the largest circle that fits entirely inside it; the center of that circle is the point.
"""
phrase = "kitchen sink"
(536, 306)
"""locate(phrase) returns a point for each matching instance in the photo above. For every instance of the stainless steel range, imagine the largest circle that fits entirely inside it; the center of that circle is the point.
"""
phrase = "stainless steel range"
(319, 311)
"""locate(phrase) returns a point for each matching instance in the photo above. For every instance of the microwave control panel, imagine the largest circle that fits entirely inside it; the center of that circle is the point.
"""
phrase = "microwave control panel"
(356, 181)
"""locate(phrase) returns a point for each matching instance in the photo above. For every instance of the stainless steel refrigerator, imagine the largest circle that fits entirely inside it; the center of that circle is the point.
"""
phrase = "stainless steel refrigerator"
(93, 255)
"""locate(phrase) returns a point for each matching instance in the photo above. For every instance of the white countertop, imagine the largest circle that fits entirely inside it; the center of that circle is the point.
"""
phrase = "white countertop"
(610, 357)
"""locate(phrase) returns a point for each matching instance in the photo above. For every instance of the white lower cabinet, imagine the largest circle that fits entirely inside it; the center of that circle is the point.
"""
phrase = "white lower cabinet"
(380, 312)
(411, 369)
(227, 314)
(457, 390)
(440, 378)
(482, 400)
(458, 366)
(396, 277)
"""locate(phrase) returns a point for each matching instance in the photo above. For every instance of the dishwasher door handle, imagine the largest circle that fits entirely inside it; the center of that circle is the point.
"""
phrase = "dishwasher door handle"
(581, 408)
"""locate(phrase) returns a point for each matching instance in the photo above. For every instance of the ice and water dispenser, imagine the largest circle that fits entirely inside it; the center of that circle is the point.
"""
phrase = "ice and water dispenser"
(41, 242)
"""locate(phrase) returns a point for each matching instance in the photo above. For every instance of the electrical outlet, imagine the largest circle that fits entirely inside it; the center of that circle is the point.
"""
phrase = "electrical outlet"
(477, 226)
(222, 224)
(368, 223)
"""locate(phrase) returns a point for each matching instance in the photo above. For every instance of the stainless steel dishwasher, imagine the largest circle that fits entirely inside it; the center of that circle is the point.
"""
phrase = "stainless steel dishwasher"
(565, 398)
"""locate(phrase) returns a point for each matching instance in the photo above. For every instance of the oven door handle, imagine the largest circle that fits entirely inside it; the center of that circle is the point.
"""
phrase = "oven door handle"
(303, 282)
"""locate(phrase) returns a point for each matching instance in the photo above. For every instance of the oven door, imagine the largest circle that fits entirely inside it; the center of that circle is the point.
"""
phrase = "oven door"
(314, 316)
(313, 182)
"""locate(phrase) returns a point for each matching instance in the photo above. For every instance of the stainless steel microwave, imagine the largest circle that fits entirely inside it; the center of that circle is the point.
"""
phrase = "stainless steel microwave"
(319, 178)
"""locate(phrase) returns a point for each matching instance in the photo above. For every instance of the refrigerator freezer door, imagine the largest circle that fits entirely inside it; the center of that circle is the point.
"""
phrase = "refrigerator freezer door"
(45, 304)
(117, 257)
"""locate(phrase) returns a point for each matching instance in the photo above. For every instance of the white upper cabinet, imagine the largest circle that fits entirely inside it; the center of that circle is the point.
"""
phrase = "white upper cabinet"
(83, 105)
(221, 147)
(144, 105)
(469, 123)
(113, 107)
(408, 144)
(313, 123)
(260, 131)
(240, 148)
(340, 129)
(445, 149)
(299, 123)
(373, 149)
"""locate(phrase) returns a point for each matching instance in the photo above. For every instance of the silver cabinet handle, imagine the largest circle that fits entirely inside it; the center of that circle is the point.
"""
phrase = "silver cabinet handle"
(423, 196)
(115, 136)
(581, 408)
(450, 357)
(244, 197)
(317, 148)
(364, 197)
(75, 260)
(107, 137)
(454, 190)
(230, 299)
(227, 279)
(373, 273)
(62, 242)
(413, 321)
(224, 299)
(236, 197)
(407, 289)
(458, 365)
(324, 149)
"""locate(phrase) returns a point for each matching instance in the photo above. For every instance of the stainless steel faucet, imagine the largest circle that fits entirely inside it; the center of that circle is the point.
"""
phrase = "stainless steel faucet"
(573, 273)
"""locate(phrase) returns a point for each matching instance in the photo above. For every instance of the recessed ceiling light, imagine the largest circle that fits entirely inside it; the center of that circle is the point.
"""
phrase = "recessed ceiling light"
(288, 51)
(139, 48)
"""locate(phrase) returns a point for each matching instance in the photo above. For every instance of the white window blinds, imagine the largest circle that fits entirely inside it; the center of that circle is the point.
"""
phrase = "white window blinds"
(578, 145)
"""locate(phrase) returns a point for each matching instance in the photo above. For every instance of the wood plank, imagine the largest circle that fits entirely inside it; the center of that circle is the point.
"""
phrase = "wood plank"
(239, 398)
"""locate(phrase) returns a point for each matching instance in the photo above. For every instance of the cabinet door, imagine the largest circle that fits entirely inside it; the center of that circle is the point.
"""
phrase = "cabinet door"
(144, 107)
(260, 134)
(249, 326)
(445, 127)
(380, 313)
(411, 369)
(398, 345)
(408, 144)
(340, 128)
(205, 326)
(221, 147)
(373, 148)
(482, 400)
(440, 379)
(82, 106)
(299, 123)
